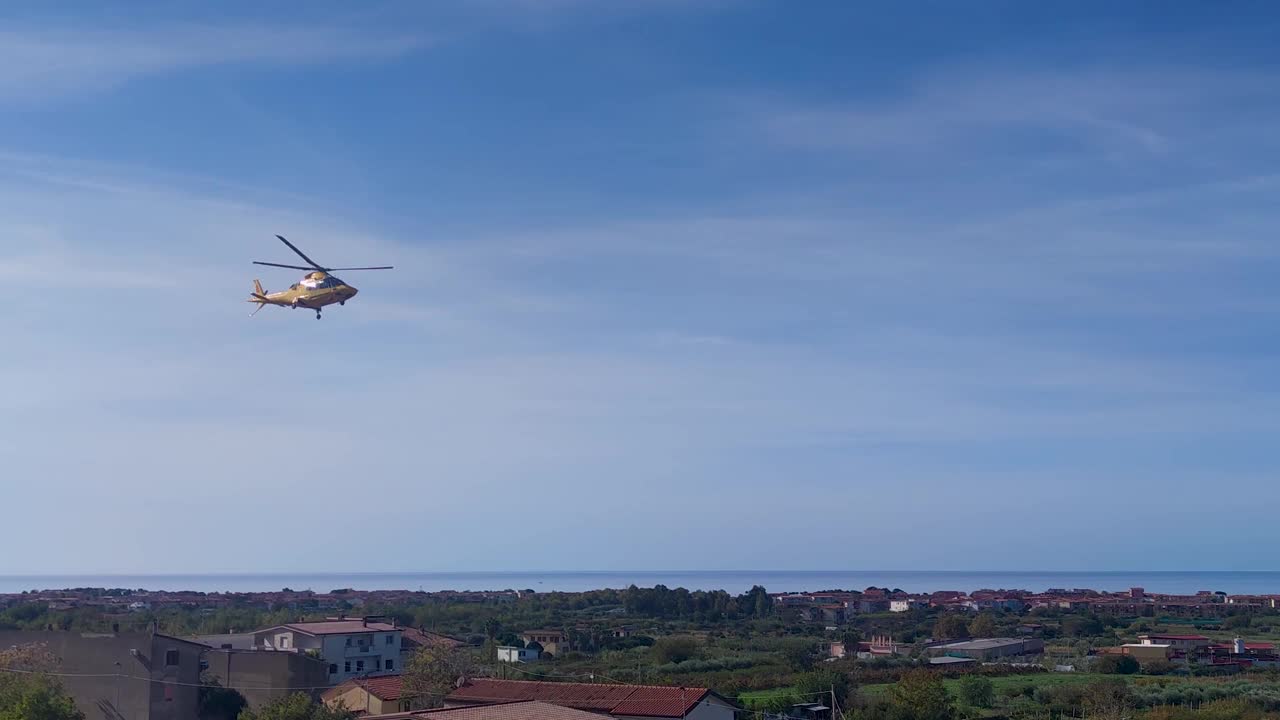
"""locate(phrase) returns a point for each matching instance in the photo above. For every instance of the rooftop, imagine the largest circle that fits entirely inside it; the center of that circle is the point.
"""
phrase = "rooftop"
(525, 710)
(984, 644)
(339, 627)
(383, 687)
(426, 638)
(635, 700)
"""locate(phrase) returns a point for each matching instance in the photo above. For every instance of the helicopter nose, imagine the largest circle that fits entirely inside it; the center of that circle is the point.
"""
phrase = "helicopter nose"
(351, 291)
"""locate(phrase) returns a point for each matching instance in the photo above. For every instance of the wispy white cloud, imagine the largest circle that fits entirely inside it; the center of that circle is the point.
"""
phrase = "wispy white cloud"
(1150, 110)
(39, 63)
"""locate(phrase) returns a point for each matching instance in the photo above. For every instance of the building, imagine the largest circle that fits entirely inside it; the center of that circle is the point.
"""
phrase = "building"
(412, 640)
(901, 606)
(135, 675)
(810, 711)
(880, 646)
(369, 696)
(1147, 652)
(526, 710)
(1179, 643)
(350, 648)
(509, 654)
(624, 702)
(262, 676)
(949, 661)
(990, 648)
(551, 641)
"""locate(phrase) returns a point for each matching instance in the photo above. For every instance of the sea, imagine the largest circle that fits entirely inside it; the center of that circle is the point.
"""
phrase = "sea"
(733, 581)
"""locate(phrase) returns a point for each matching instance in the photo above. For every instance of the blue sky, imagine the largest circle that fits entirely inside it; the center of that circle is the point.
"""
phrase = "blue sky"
(706, 284)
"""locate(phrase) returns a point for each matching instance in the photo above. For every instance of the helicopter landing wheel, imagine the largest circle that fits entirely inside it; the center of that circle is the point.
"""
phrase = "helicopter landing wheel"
(342, 302)
(317, 314)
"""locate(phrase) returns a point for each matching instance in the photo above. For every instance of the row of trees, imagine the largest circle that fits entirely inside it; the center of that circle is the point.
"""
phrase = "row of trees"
(664, 603)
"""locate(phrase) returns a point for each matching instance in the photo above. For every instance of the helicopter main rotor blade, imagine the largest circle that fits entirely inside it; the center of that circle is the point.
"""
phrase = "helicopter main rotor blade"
(300, 253)
(384, 267)
(291, 267)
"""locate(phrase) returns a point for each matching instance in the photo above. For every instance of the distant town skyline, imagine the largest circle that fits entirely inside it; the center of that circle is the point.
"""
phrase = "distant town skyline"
(721, 283)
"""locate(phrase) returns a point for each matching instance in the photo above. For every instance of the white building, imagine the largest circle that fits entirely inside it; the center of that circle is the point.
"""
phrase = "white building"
(516, 654)
(351, 648)
(899, 606)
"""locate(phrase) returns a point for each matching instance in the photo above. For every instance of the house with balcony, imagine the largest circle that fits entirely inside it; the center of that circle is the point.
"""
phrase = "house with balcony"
(349, 647)
(553, 642)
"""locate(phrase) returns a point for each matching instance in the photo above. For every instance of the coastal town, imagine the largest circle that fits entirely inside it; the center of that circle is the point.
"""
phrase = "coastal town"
(630, 654)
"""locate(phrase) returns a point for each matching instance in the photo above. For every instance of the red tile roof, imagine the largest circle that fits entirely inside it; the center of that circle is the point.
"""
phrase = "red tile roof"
(383, 687)
(660, 702)
(637, 700)
(527, 710)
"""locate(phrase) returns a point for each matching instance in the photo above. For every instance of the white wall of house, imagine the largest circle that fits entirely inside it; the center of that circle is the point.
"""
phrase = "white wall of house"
(365, 654)
(516, 655)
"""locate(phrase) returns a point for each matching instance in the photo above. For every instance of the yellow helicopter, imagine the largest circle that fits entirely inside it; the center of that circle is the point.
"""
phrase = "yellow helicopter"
(317, 289)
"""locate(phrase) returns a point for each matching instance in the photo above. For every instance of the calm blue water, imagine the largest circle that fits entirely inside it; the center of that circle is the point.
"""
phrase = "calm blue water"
(734, 581)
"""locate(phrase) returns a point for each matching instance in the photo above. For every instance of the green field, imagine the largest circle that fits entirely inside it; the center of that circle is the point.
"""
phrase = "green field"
(1037, 680)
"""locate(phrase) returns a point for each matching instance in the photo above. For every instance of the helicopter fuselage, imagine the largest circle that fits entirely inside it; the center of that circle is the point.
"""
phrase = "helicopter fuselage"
(316, 290)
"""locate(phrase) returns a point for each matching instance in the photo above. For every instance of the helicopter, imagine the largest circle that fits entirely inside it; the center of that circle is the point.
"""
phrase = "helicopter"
(317, 289)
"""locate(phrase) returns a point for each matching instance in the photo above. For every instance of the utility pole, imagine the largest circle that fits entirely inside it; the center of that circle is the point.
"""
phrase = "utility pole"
(117, 704)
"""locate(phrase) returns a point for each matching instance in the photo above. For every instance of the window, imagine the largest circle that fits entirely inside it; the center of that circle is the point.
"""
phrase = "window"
(391, 639)
(359, 666)
(170, 657)
(348, 641)
(391, 665)
(346, 667)
(333, 668)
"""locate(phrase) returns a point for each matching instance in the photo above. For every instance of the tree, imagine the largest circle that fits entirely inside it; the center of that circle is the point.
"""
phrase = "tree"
(1109, 699)
(920, 695)
(674, 649)
(950, 627)
(850, 639)
(976, 691)
(219, 703)
(297, 706)
(799, 654)
(811, 684)
(982, 626)
(33, 694)
(1116, 665)
(435, 671)
(1238, 622)
(492, 629)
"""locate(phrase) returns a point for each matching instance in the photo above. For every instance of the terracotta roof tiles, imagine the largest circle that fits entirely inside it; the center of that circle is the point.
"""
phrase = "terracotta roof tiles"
(633, 700)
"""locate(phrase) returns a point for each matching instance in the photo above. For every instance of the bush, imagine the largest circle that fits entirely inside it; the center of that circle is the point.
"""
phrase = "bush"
(1116, 665)
(976, 691)
(674, 649)
(1238, 622)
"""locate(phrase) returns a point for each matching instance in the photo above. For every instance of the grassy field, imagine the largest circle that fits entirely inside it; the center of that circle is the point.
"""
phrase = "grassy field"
(1036, 680)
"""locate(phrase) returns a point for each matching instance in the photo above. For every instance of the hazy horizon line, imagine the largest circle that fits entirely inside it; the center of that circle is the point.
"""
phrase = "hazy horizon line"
(372, 573)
